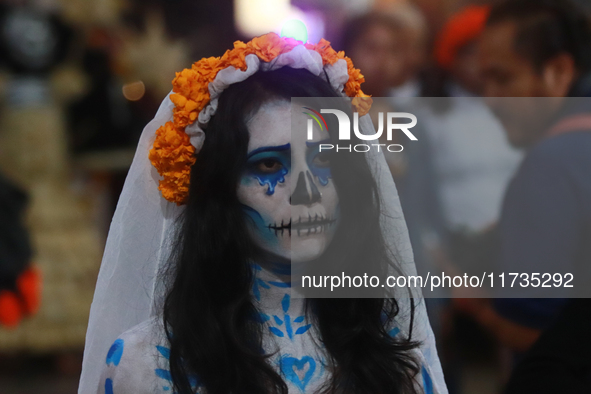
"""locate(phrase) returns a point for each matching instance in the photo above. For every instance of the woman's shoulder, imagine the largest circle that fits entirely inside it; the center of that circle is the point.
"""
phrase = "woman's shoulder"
(137, 362)
(147, 334)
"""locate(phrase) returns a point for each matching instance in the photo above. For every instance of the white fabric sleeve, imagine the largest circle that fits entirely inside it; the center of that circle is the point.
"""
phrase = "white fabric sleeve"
(134, 364)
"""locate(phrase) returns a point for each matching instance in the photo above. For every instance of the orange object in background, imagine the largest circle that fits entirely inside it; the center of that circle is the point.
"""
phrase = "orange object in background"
(14, 306)
(10, 309)
(459, 30)
(29, 287)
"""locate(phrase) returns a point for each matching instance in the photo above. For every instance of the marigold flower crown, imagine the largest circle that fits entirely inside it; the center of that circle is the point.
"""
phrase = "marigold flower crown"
(195, 92)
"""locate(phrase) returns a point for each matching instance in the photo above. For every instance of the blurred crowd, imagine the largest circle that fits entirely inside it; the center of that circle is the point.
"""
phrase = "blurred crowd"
(506, 184)
(500, 183)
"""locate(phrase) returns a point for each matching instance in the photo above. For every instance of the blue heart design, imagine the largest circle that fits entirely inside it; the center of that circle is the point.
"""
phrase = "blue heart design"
(290, 366)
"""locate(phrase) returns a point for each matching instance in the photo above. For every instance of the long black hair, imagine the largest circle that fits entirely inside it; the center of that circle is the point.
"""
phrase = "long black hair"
(208, 311)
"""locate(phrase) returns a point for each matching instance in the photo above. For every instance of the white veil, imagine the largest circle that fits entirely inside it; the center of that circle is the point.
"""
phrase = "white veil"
(137, 243)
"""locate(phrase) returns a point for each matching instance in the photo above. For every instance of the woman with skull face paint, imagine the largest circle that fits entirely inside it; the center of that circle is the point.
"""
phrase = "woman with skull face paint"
(221, 318)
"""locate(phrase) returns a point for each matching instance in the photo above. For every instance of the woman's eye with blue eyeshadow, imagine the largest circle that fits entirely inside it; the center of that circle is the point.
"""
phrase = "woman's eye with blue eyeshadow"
(321, 160)
(267, 166)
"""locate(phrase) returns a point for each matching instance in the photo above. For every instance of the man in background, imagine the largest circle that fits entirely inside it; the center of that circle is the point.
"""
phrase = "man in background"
(542, 48)
(389, 45)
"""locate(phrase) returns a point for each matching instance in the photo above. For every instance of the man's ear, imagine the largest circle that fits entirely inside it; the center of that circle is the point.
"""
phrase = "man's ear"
(559, 74)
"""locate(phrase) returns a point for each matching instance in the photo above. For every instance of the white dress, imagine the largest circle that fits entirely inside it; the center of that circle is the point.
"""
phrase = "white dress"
(137, 362)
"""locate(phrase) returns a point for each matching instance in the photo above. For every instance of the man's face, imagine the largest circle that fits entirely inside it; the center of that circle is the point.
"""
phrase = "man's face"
(506, 73)
(286, 188)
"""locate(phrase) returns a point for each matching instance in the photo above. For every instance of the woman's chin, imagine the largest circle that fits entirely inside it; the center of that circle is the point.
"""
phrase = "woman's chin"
(304, 249)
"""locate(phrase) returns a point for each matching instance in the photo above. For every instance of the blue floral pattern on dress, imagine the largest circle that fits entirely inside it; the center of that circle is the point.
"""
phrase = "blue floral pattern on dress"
(300, 372)
(284, 325)
(115, 352)
(260, 283)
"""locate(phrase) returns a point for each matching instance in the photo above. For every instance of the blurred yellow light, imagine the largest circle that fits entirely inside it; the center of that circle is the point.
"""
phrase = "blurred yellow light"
(134, 91)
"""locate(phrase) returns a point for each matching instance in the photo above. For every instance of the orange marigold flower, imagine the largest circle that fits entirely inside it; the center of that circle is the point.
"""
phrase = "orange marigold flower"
(362, 103)
(185, 81)
(173, 155)
(235, 57)
(267, 47)
(353, 85)
(187, 110)
(184, 118)
(178, 100)
(239, 45)
(289, 44)
(207, 68)
(192, 83)
(329, 55)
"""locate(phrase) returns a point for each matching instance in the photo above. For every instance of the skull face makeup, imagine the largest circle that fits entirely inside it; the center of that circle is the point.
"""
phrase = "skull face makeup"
(286, 188)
